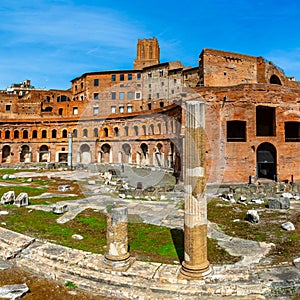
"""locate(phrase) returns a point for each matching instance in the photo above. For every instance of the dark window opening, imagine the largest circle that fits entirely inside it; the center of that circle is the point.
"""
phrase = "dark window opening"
(113, 77)
(75, 133)
(129, 76)
(275, 80)
(63, 98)
(96, 82)
(161, 104)
(54, 132)
(236, 131)
(7, 107)
(265, 121)
(121, 77)
(149, 106)
(292, 131)
(126, 131)
(136, 130)
(65, 133)
(85, 133)
(16, 134)
(7, 134)
(44, 134)
(34, 134)
(116, 131)
(105, 132)
(95, 132)
(60, 111)
(25, 134)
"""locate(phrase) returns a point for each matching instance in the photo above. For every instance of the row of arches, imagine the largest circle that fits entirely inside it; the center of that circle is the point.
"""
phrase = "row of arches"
(141, 154)
(171, 126)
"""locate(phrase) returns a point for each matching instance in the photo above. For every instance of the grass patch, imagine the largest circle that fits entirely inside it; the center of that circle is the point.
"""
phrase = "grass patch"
(268, 229)
(147, 242)
(31, 191)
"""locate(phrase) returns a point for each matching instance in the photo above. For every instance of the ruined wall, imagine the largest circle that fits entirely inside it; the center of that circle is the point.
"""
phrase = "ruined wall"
(235, 161)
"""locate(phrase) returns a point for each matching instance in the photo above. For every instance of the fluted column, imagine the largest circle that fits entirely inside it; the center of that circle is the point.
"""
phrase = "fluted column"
(70, 149)
(195, 264)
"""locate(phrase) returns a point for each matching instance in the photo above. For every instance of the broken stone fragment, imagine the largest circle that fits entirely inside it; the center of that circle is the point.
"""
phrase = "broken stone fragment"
(64, 188)
(252, 216)
(8, 198)
(289, 226)
(15, 291)
(22, 200)
(60, 208)
(77, 237)
(279, 203)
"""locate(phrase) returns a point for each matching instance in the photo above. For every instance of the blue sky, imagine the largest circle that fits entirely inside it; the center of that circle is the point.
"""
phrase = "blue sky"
(52, 42)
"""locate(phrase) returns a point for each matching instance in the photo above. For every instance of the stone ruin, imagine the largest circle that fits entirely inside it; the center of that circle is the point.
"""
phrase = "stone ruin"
(9, 198)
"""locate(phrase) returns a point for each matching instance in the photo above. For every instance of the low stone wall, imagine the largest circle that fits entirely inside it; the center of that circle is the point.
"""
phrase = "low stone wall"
(145, 280)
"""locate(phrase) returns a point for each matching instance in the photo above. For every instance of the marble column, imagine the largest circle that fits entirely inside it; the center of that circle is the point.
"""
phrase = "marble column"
(70, 149)
(117, 255)
(195, 265)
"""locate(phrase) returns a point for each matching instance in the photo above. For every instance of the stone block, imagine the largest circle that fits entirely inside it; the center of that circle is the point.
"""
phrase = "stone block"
(252, 216)
(22, 200)
(8, 198)
(279, 203)
(60, 208)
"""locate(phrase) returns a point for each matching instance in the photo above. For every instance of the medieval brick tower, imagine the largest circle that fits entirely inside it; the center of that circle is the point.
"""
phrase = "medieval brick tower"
(148, 53)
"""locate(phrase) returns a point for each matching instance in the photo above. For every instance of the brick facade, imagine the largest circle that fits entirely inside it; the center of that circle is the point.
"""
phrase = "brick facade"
(137, 116)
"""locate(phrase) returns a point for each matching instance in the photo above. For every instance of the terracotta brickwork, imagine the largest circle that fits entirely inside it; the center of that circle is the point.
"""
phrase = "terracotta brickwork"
(137, 116)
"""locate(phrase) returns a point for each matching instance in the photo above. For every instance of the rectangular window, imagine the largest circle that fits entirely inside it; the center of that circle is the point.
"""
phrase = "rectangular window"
(162, 83)
(121, 77)
(113, 109)
(129, 96)
(96, 96)
(113, 77)
(292, 131)
(75, 110)
(161, 73)
(149, 75)
(96, 82)
(236, 131)
(137, 95)
(113, 96)
(96, 110)
(121, 95)
(7, 107)
(121, 108)
(129, 108)
(157, 95)
(129, 76)
(149, 96)
(138, 76)
(265, 121)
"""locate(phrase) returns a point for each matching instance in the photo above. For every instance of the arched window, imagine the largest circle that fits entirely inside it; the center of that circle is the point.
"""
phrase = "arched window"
(116, 131)
(126, 130)
(85, 133)
(44, 134)
(7, 134)
(152, 129)
(96, 132)
(34, 134)
(136, 130)
(105, 132)
(144, 130)
(16, 134)
(25, 134)
(54, 133)
(75, 133)
(159, 128)
(64, 133)
(275, 80)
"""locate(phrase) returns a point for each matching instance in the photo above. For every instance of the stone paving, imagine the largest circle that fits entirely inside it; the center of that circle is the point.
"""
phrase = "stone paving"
(246, 279)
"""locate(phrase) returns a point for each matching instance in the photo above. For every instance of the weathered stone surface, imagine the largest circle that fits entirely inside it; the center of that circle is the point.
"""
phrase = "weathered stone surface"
(14, 292)
(22, 200)
(279, 203)
(252, 216)
(297, 262)
(289, 226)
(60, 208)
(8, 198)
(77, 237)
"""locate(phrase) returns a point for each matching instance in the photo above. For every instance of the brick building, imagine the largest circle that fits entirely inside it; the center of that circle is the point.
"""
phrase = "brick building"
(137, 116)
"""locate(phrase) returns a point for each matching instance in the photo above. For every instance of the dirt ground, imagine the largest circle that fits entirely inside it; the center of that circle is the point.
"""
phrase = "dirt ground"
(41, 288)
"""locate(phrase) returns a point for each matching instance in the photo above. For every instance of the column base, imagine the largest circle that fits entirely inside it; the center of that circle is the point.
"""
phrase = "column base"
(118, 265)
(194, 272)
